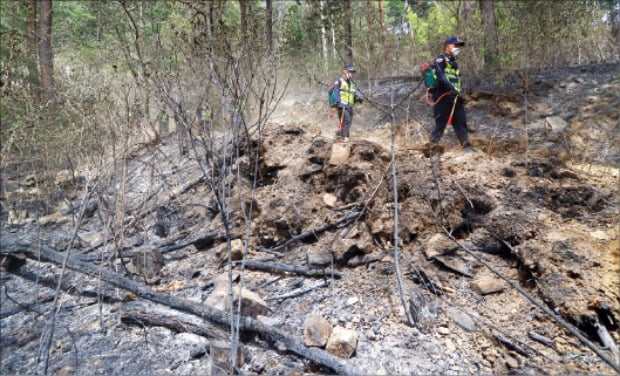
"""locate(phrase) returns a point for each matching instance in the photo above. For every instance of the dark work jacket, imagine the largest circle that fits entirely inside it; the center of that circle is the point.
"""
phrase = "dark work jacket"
(444, 65)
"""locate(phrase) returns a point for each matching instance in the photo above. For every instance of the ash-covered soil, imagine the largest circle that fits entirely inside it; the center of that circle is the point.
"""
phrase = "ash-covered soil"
(537, 201)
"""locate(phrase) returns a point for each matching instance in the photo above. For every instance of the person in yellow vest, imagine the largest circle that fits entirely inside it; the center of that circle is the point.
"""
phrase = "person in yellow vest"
(236, 109)
(447, 95)
(344, 89)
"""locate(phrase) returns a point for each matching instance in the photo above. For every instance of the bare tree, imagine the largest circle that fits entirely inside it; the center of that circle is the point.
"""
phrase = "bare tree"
(382, 21)
(348, 30)
(31, 42)
(46, 57)
(490, 32)
(269, 24)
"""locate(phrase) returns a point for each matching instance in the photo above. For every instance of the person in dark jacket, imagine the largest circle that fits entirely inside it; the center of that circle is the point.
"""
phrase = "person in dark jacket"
(344, 89)
(447, 95)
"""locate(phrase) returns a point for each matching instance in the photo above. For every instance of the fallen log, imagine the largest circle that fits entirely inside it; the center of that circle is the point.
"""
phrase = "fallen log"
(67, 288)
(133, 317)
(25, 307)
(284, 268)
(299, 292)
(247, 324)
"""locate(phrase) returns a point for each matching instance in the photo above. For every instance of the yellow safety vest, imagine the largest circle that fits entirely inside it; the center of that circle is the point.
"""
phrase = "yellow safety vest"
(347, 92)
(453, 75)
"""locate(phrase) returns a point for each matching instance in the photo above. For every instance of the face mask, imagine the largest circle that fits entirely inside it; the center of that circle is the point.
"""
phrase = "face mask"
(456, 51)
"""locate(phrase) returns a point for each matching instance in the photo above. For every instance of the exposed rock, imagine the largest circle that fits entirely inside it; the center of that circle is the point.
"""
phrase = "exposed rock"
(455, 264)
(29, 181)
(329, 199)
(147, 263)
(344, 249)
(316, 331)
(220, 281)
(221, 252)
(318, 258)
(251, 303)
(511, 362)
(463, 320)
(63, 177)
(340, 153)
(18, 217)
(221, 357)
(342, 342)
(56, 217)
(436, 245)
(443, 330)
(66, 371)
(487, 285)
(352, 300)
(381, 225)
(555, 123)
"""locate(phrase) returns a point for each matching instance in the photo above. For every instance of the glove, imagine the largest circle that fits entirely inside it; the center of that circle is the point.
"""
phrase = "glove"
(454, 92)
(359, 100)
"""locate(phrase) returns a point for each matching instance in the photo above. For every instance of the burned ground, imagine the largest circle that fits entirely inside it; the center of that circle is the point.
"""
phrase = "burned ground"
(537, 203)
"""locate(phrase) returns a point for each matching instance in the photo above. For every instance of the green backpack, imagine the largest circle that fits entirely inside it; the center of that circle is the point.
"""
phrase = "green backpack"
(429, 76)
(333, 99)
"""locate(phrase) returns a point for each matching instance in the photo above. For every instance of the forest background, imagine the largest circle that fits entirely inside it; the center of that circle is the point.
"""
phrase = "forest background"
(82, 81)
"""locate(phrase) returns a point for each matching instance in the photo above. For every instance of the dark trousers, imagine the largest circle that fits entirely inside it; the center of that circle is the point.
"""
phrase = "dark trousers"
(459, 121)
(345, 117)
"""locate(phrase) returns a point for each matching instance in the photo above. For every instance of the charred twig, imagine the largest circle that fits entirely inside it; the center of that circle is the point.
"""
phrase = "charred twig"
(366, 259)
(24, 307)
(421, 278)
(271, 281)
(201, 242)
(542, 339)
(463, 193)
(299, 292)
(204, 311)
(495, 328)
(512, 346)
(310, 233)
(67, 288)
(284, 268)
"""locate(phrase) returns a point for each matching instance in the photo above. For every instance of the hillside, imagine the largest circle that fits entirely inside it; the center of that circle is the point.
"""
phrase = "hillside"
(537, 202)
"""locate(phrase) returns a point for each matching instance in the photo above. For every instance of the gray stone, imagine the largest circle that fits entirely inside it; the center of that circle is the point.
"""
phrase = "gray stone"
(555, 123)
(18, 217)
(339, 154)
(487, 285)
(437, 245)
(342, 342)
(221, 357)
(511, 362)
(251, 303)
(50, 219)
(30, 181)
(316, 331)
(221, 252)
(63, 177)
(344, 249)
(318, 258)
(147, 263)
(463, 320)
(329, 199)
